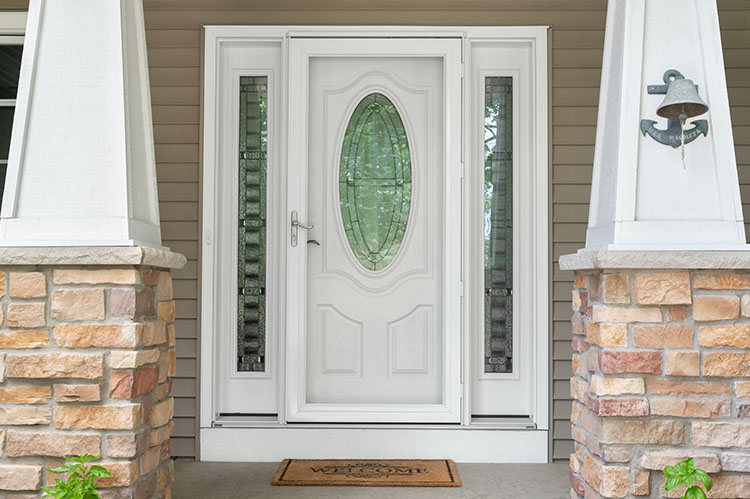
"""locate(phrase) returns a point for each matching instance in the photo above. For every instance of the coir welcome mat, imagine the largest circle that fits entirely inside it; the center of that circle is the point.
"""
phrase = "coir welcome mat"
(368, 473)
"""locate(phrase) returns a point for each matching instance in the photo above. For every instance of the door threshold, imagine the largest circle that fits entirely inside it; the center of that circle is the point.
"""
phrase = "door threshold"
(477, 423)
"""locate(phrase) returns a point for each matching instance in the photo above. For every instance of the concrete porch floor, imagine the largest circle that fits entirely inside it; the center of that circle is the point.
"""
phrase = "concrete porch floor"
(199, 480)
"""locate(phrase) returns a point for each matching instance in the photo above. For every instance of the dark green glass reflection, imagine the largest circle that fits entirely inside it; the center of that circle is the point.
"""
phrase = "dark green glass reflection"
(498, 224)
(251, 279)
(375, 181)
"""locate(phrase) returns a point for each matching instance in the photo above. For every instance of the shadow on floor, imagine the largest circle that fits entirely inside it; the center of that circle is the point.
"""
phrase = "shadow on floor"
(195, 480)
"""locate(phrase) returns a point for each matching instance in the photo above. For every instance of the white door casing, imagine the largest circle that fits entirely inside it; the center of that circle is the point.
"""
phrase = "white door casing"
(492, 51)
(378, 346)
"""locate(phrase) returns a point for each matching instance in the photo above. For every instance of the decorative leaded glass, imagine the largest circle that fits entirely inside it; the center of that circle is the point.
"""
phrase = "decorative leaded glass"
(251, 279)
(375, 181)
(498, 224)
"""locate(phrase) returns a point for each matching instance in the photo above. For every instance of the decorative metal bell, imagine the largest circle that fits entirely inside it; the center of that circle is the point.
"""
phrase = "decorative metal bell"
(682, 101)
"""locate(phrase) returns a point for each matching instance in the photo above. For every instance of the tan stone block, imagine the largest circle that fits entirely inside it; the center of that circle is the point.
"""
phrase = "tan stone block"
(624, 314)
(658, 460)
(24, 339)
(578, 389)
(745, 305)
(162, 413)
(688, 388)
(610, 481)
(641, 483)
(602, 387)
(593, 333)
(165, 286)
(575, 464)
(612, 336)
(158, 437)
(171, 337)
(577, 302)
(662, 288)
(683, 364)
(124, 474)
(677, 314)
(721, 281)
(27, 285)
(126, 445)
(78, 304)
(166, 475)
(133, 384)
(55, 365)
(617, 362)
(150, 459)
(580, 281)
(736, 462)
(615, 454)
(716, 308)
(103, 417)
(52, 444)
(25, 394)
(614, 289)
(163, 390)
(710, 434)
(145, 303)
(2, 367)
(172, 362)
(122, 303)
(163, 366)
(663, 336)
(689, 408)
(132, 359)
(154, 333)
(642, 432)
(100, 276)
(726, 364)
(26, 315)
(20, 477)
(97, 335)
(166, 311)
(77, 393)
(24, 415)
(729, 335)
(2, 284)
(742, 389)
(623, 407)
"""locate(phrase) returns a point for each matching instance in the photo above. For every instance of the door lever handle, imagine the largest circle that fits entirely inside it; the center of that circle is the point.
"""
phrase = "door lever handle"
(296, 224)
(313, 241)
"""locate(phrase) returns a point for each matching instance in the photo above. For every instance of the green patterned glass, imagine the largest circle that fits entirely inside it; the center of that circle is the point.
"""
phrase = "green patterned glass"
(375, 181)
(251, 278)
(498, 224)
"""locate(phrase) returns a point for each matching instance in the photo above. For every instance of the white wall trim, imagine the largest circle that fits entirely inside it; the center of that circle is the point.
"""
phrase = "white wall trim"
(464, 446)
(13, 23)
(214, 439)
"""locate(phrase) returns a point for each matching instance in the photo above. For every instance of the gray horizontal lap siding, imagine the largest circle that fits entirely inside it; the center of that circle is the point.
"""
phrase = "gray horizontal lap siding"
(576, 41)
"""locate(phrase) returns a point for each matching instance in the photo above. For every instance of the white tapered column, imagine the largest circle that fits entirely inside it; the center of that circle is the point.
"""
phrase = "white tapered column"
(643, 196)
(81, 170)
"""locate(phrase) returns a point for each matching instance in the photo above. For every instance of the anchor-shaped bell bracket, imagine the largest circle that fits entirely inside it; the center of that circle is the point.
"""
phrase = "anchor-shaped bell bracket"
(681, 101)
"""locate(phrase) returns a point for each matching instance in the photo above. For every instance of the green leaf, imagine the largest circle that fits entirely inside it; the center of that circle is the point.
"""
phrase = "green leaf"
(671, 471)
(694, 492)
(100, 471)
(702, 476)
(672, 483)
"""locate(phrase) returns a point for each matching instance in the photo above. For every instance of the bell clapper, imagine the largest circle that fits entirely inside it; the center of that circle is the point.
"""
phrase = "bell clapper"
(683, 120)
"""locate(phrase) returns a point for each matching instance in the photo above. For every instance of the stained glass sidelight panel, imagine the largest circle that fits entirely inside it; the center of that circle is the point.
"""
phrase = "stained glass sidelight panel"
(375, 181)
(498, 224)
(251, 279)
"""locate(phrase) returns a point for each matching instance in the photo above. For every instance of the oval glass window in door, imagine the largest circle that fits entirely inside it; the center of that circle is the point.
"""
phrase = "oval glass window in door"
(375, 181)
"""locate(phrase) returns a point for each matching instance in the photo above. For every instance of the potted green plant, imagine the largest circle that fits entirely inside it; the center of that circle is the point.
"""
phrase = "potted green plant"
(79, 479)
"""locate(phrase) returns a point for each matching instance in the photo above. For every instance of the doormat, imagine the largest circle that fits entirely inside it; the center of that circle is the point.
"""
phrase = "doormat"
(368, 473)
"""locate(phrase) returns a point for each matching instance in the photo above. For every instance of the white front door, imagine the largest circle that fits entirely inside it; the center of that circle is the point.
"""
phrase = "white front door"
(374, 310)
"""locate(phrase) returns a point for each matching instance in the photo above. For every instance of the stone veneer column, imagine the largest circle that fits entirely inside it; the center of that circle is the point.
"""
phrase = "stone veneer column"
(87, 349)
(661, 363)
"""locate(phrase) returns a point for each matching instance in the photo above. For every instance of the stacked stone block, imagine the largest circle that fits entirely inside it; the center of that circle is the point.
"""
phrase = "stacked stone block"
(86, 359)
(661, 372)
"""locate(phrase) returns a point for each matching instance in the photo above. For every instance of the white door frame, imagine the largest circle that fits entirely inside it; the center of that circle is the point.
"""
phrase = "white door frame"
(301, 51)
(216, 433)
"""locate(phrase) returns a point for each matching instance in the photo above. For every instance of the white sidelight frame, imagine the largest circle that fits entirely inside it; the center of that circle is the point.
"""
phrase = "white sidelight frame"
(508, 440)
